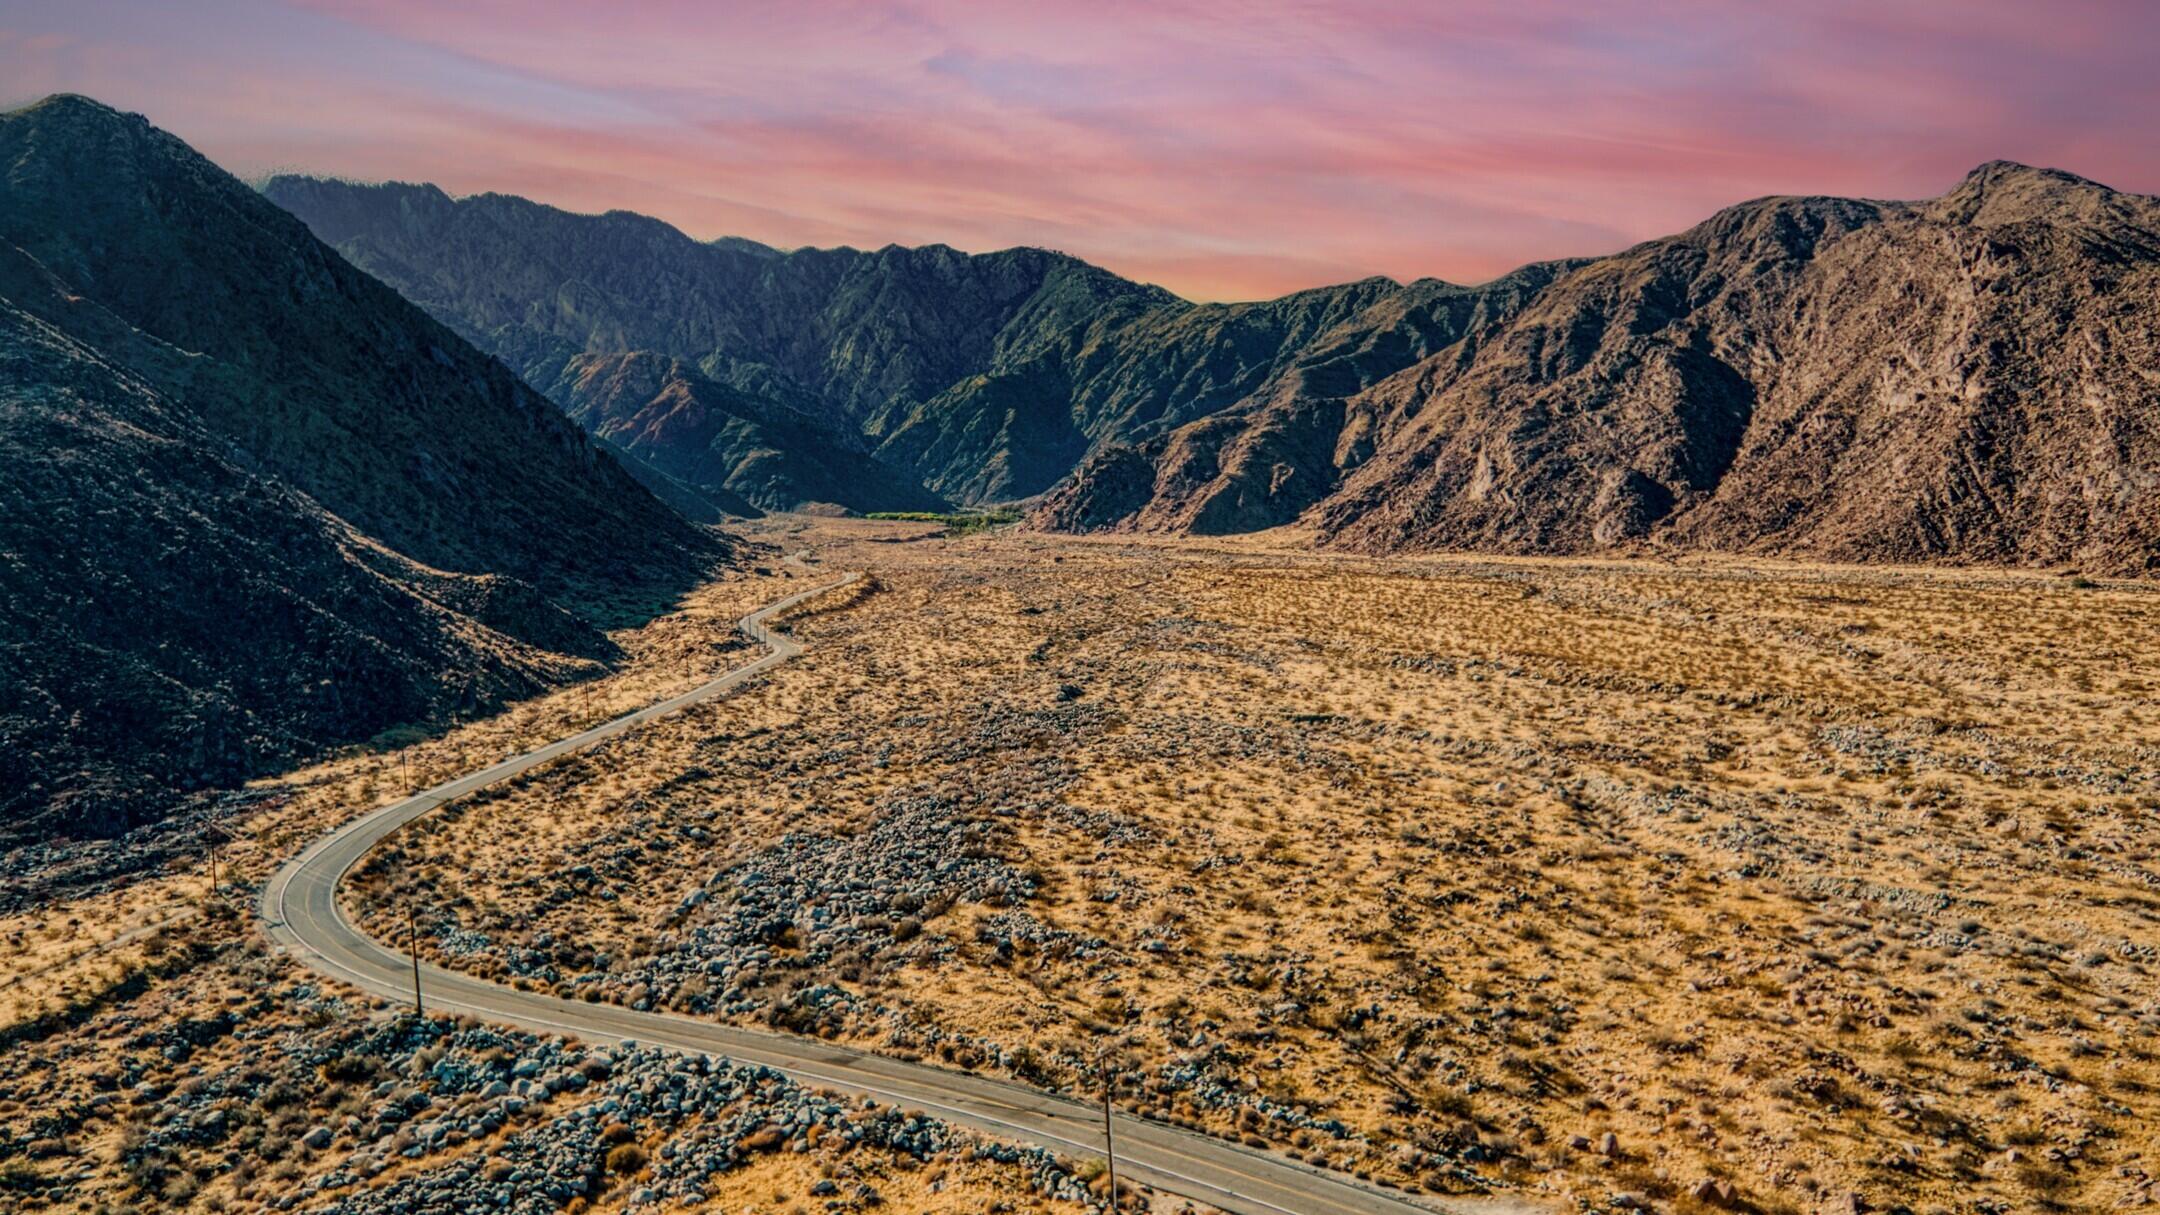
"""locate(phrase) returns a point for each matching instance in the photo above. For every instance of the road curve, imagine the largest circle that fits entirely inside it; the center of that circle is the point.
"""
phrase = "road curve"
(303, 915)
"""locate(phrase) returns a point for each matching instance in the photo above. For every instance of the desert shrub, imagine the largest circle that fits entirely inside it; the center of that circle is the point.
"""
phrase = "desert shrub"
(626, 1159)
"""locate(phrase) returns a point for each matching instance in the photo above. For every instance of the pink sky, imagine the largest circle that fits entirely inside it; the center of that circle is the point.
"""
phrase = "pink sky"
(1226, 150)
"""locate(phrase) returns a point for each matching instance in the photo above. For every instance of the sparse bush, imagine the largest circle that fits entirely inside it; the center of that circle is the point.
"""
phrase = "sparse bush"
(626, 1159)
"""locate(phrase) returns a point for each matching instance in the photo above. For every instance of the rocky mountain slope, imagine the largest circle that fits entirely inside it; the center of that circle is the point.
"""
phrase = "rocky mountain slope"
(1969, 377)
(1138, 369)
(1283, 426)
(251, 501)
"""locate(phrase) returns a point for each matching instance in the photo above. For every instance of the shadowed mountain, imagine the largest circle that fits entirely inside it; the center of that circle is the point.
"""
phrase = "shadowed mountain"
(987, 377)
(251, 501)
(858, 342)
(745, 452)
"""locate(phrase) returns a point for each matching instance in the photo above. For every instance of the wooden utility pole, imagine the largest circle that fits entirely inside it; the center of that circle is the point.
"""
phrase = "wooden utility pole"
(412, 937)
(1109, 1144)
(215, 839)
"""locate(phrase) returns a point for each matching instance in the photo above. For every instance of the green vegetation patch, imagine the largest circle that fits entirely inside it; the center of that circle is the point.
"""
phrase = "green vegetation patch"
(957, 521)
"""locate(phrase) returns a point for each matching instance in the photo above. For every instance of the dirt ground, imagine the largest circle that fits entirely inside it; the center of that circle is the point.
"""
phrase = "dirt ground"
(1820, 883)
(1701, 886)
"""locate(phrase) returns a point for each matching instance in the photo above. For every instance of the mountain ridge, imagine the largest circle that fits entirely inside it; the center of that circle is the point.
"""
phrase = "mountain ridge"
(971, 420)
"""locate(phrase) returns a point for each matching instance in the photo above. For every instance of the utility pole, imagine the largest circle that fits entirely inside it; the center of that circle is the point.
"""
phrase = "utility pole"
(215, 839)
(412, 937)
(1108, 1143)
(405, 759)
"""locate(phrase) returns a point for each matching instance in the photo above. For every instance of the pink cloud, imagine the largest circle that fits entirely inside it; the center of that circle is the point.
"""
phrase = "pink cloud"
(1224, 149)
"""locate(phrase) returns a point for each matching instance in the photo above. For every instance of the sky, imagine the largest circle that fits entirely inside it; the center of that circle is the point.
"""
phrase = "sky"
(1226, 150)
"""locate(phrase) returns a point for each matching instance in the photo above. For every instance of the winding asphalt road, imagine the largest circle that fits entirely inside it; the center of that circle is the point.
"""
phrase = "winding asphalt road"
(302, 911)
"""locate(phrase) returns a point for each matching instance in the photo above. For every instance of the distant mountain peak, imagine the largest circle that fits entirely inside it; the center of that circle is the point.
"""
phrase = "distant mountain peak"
(743, 244)
(73, 128)
(2006, 191)
(71, 103)
(1997, 172)
(1850, 378)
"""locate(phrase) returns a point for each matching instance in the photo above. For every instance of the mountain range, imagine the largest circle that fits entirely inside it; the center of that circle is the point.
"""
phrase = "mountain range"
(283, 469)
(1962, 378)
(982, 377)
(252, 502)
